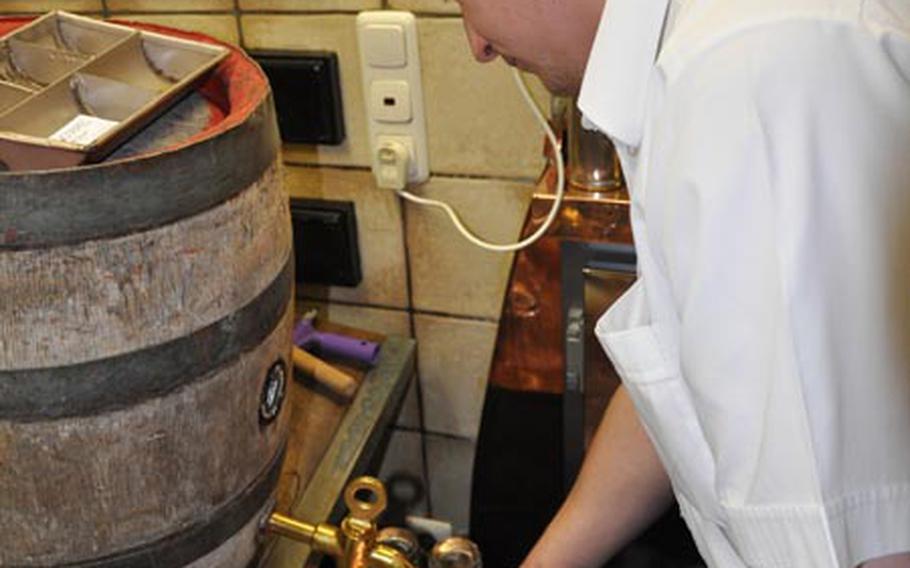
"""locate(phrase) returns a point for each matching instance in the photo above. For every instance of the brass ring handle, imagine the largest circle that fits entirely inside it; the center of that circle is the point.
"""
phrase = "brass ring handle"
(366, 510)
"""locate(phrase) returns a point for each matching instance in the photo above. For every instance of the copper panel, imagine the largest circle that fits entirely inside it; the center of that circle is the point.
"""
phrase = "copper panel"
(529, 348)
(602, 288)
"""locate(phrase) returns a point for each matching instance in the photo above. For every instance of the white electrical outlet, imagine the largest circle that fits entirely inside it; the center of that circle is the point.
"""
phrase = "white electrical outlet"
(390, 67)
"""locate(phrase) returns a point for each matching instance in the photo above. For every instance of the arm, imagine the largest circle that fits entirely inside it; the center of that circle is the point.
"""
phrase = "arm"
(621, 489)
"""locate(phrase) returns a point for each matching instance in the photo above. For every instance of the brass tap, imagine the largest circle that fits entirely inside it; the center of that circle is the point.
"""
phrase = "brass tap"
(353, 544)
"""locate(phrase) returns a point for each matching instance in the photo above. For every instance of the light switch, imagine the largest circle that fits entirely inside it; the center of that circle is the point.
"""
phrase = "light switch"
(390, 101)
(390, 71)
(384, 45)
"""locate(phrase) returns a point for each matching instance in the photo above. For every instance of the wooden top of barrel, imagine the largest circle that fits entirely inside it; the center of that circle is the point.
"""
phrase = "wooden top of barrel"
(222, 135)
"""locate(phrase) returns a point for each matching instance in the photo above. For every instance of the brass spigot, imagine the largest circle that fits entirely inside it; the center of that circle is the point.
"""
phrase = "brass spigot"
(353, 544)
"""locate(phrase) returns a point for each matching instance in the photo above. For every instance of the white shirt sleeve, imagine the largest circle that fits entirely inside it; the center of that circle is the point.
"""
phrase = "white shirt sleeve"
(777, 205)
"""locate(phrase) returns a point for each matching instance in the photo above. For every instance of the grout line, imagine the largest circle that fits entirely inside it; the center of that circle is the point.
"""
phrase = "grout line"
(408, 275)
(449, 175)
(433, 175)
(254, 12)
(437, 15)
(446, 435)
(479, 319)
(171, 12)
(300, 13)
(411, 311)
(418, 383)
(318, 166)
(304, 298)
(237, 13)
(423, 440)
(37, 13)
(449, 436)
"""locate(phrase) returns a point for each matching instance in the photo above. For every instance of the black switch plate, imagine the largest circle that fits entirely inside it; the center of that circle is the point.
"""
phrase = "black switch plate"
(326, 249)
(307, 94)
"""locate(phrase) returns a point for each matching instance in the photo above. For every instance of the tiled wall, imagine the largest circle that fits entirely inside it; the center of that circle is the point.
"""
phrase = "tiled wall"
(420, 277)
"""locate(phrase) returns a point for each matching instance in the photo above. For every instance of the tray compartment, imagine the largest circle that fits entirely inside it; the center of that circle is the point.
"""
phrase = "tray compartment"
(11, 95)
(177, 59)
(34, 66)
(74, 34)
(73, 88)
(111, 99)
(83, 97)
(153, 62)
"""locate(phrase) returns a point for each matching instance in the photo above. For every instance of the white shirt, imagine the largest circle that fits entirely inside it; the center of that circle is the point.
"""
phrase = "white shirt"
(766, 343)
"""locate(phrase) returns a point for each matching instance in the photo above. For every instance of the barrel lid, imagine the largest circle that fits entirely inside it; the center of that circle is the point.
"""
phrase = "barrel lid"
(150, 184)
(227, 96)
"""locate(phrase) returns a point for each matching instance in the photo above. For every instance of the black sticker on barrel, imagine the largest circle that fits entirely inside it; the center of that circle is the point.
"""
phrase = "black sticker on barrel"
(273, 390)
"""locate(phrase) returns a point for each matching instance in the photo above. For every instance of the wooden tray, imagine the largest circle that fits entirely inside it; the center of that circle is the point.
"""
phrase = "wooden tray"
(73, 88)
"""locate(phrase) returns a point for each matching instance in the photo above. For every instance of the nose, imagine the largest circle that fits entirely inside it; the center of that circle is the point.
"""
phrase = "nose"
(481, 48)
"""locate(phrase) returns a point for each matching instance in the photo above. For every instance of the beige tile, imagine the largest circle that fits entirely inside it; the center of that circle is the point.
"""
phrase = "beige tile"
(477, 122)
(219, 26)
(170, 5)
(450, 464)
(320, 32)
(453, 360)
(427, 6)
(311, 5)
(376, 320)
(448, 273)
(38, 6)
(379, 233)
(402, 471)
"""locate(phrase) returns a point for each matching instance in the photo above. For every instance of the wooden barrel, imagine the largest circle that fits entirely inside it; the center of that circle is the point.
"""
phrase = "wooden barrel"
(146, 306)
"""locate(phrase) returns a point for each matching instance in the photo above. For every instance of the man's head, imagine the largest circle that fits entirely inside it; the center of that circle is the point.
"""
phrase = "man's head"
(550, 38)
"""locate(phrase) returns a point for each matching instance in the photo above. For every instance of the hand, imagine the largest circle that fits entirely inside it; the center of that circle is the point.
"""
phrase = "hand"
(621, 489)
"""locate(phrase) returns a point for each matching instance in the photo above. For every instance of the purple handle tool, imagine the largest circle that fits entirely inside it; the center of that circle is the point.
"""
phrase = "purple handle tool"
(333, 344)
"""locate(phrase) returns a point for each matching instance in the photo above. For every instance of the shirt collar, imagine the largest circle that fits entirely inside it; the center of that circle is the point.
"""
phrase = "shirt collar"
(614, 88)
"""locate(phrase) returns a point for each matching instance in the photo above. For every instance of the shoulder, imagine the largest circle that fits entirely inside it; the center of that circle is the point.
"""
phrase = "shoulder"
(766, 34)
(762, 90)
(771, 55)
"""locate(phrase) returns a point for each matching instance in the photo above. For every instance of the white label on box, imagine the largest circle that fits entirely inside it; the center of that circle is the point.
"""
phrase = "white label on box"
(83, 130)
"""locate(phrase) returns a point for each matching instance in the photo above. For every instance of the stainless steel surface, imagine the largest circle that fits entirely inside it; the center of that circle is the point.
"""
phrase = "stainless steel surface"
(593, 276)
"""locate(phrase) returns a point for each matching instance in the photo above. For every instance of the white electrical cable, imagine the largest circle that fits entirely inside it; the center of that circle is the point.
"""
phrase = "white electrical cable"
(557, 201)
